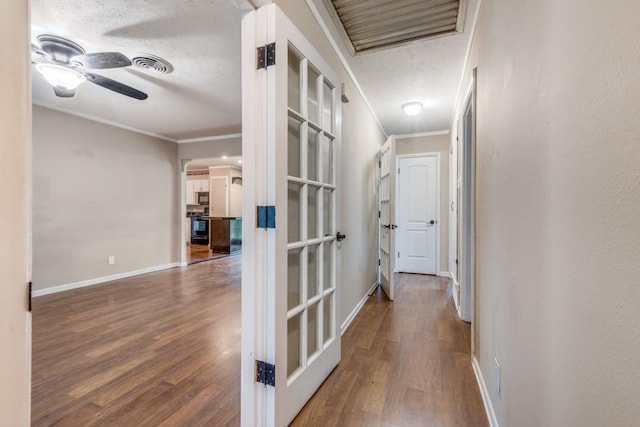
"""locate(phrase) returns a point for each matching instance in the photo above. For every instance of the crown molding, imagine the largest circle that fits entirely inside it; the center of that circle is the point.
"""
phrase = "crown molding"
(210, 138)
(100, 120)
(422, 134)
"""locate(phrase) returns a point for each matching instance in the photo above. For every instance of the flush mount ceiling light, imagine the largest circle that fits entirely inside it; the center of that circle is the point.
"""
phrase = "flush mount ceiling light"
(60, 76)
(412, 108)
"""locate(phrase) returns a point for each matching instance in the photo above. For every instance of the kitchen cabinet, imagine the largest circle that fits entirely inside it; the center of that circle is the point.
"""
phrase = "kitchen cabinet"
(201, 184)
(194, 186)
(191, 192)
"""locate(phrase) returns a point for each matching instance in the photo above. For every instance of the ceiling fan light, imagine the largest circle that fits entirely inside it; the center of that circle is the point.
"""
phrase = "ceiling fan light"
(60, 76)
(412, 108)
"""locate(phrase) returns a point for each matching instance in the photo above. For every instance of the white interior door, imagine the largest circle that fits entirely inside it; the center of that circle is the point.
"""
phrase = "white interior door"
(417, 214)
(291, 150)
(219, 196)
(387, 215)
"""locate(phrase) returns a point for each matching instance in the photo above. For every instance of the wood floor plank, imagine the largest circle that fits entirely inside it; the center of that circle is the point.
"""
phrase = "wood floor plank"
(163, 349)
(405, 362)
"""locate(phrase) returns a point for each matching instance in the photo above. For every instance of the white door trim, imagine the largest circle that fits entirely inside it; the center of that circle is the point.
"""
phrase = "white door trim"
(437, 155)
(467, 210)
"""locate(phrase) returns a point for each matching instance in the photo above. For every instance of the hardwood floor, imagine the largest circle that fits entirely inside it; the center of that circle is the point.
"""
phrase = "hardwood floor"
(404, 363)
(199, 253)
(159, 349)
(163, 349)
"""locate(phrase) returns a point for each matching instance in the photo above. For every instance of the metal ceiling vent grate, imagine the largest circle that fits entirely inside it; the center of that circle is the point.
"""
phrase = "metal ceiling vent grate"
(152, 62)
(371, 24)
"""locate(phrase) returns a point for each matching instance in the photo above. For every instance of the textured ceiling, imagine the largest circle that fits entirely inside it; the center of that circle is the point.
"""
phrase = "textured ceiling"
(427, 70)
(200, 38)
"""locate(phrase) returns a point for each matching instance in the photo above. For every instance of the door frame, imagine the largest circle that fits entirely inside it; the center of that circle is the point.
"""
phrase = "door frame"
(437, 155)
(467, 207)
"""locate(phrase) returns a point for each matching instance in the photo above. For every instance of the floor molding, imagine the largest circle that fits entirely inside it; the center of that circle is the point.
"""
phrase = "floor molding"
(445, 274)
(99, 280)
(357, 309)
(484, 392)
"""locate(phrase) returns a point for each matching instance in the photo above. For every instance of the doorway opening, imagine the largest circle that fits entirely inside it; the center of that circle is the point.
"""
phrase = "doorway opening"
(212, 209)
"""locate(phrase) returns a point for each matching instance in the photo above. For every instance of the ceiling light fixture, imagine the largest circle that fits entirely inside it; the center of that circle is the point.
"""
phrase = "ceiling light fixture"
(412, 108)
(60, 76)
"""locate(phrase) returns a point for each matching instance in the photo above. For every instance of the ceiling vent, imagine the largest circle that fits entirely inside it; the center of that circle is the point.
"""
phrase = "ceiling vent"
(373, 24)
(152, 62)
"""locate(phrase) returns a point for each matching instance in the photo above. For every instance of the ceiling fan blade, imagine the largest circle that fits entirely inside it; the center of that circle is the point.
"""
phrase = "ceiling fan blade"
(115, 86)
(35, 49)
(102, 60)
(64, 93)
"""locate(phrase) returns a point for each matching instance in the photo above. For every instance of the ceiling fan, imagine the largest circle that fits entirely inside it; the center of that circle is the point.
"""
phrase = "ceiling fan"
(66, 64)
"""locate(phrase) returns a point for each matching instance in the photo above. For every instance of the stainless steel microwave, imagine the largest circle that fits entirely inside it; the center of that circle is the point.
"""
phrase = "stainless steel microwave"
(202, 197)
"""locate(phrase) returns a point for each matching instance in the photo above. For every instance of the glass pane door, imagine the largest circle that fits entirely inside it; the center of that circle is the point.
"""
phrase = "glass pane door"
(311, 316)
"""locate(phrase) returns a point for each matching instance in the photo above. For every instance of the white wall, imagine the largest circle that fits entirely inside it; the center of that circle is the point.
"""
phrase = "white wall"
(361, 138)
(434, 144)
(100, 191)
(558, 202)
(15, 218)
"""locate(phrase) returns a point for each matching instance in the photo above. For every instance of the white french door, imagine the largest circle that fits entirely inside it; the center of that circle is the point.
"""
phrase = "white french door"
(388, 226)
(291, 146)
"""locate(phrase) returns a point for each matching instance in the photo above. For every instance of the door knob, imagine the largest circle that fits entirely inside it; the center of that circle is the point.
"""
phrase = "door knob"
(340, 237)
(432, 222)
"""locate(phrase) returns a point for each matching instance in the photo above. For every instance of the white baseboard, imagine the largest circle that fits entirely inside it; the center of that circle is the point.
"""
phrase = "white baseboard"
(445, 274)
(98, 280)
(357, 309)
(484, 392)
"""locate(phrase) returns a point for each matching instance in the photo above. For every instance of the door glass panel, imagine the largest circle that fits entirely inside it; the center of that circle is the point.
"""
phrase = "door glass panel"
(327, 330)
(294, 276)
(312, 270)
(293, 148)
(293, 344)
(293, 93)
(312, 95)
(312, 210)
(327, 160)
(328, 108)
(312, 330)
(327, 265)
(312, 153)
(327, 213)
(295, 209)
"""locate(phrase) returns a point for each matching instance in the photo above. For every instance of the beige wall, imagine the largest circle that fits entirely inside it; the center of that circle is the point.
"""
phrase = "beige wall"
(558, 202)
(15, 218)
(434, 144)
(361, 138)
(210, 149)
(100, 191)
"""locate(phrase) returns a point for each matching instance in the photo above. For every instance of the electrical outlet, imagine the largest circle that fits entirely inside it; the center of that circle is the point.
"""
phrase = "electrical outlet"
(496, 374)
(112, 260)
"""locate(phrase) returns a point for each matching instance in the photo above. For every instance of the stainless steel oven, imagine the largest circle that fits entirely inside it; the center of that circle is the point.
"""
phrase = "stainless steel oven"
(199, 231)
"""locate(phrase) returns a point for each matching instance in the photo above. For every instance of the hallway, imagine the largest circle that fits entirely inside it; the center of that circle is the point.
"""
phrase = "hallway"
(403, 363)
